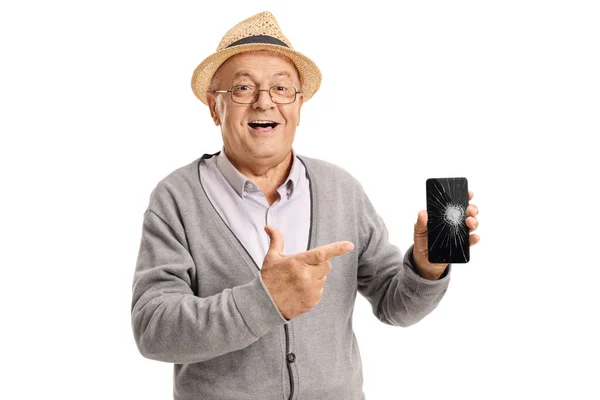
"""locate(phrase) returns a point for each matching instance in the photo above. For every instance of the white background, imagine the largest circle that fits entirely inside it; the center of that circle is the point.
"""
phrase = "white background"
(96, 108)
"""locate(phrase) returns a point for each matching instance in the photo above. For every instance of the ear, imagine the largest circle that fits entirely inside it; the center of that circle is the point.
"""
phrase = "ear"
(300, 101)
(212, 106)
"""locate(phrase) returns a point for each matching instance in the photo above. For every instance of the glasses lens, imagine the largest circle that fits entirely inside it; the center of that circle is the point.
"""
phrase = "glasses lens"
(282, 94)
(244, 94)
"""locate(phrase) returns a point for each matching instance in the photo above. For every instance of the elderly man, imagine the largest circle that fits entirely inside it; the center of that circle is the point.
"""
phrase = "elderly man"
(251, 258)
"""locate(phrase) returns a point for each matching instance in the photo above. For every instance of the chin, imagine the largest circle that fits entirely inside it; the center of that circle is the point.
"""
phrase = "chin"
(264, 153)
(267, 149)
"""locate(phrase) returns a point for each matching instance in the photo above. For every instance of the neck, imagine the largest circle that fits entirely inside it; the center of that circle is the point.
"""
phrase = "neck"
(267, 176)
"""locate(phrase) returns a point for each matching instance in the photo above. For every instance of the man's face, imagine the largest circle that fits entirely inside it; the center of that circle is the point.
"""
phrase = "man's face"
(246, 139)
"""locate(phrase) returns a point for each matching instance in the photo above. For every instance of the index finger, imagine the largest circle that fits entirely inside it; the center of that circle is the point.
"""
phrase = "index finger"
(325, 253)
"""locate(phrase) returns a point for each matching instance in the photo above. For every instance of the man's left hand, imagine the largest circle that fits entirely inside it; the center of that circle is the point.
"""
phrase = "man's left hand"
(420, 254)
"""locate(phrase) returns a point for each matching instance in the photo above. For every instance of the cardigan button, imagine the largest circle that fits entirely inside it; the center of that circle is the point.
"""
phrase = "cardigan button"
(291, 357)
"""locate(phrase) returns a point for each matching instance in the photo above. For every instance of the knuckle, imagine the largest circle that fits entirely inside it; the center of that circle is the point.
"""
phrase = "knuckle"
(318, 296)
(307, 304)
(305, 275)
(303, 281)
(321, 255)
(295, 263)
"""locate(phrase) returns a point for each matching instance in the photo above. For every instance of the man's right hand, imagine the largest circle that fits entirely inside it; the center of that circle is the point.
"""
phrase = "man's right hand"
(296, 281)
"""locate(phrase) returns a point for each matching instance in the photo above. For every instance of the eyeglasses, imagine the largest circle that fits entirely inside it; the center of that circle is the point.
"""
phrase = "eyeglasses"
(247, 94)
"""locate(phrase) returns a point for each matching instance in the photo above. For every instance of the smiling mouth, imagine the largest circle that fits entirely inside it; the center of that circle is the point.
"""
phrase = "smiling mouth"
(262, 124)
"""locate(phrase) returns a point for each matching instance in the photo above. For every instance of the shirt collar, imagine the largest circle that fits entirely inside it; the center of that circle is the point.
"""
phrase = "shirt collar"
(241, 184)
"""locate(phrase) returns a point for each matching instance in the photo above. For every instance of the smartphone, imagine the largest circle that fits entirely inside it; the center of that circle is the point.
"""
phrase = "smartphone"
(447, 231)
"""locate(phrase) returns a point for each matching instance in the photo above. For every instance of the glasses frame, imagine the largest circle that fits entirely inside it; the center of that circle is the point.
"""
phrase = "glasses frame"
(230, 91)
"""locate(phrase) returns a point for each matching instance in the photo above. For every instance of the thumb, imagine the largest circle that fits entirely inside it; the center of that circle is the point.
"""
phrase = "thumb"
(276, 240)
(421, 224)
(420, 236)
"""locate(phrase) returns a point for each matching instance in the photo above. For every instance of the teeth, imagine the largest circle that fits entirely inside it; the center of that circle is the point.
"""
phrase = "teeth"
(262, 122)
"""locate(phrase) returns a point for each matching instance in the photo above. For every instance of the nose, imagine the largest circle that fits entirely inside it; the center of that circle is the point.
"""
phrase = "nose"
(263, 101)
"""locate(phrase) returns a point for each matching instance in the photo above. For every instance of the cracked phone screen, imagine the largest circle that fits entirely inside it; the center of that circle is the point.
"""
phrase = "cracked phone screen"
(447, 232)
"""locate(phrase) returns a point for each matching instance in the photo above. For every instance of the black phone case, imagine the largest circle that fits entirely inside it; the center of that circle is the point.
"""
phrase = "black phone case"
(447, 232)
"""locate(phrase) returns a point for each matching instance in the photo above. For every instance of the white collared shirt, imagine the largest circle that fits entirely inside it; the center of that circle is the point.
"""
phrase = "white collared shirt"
(245, 209)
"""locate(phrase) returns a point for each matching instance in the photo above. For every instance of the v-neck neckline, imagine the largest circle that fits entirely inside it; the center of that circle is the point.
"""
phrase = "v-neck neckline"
(245, 254)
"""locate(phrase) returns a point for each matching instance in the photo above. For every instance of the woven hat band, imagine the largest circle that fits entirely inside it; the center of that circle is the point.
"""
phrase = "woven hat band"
(258, 39)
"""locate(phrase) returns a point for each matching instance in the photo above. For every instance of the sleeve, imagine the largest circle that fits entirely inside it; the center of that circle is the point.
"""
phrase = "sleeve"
(172, 324)
(387, 278)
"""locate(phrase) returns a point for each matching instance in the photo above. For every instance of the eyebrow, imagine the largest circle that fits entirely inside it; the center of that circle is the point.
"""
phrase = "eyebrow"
(242, 74)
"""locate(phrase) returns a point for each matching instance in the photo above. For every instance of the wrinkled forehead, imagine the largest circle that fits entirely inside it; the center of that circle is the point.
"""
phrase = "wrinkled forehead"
(254, 66)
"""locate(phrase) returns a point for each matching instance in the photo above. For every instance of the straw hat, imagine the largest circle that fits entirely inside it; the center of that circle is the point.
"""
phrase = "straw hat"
(259, 32)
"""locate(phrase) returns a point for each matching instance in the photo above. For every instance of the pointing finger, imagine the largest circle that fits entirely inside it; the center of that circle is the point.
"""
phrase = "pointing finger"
(325, 253)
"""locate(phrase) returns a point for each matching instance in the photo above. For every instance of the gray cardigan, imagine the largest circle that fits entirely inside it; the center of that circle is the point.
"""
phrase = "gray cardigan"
(199, 301)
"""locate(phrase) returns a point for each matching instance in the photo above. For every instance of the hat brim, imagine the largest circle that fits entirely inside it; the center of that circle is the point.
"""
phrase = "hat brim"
(310, 75)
